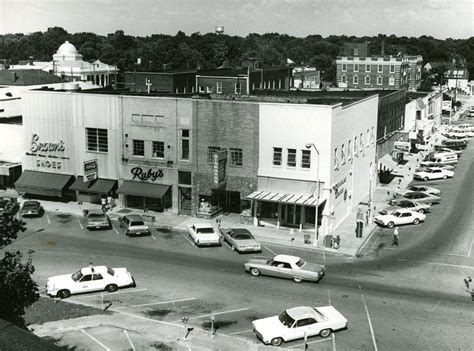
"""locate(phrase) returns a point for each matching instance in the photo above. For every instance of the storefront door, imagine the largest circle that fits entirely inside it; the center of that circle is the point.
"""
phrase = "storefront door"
(229, 201)
(293, 215)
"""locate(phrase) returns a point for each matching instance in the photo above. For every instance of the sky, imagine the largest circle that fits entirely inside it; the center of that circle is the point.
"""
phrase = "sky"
(438, 18)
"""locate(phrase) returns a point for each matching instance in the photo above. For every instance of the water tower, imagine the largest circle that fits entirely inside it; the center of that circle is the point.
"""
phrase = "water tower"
(219, 30)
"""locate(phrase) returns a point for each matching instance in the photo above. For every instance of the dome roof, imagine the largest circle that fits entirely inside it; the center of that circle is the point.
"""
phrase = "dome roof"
(67, 49)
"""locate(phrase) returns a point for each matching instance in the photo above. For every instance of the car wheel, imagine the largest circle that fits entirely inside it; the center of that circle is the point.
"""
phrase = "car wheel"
(445, 177)
(390, 225)
(425, 179)
(232, 247)
(297, 280)
(421, 210)
(416, 221)
(276, 341)
(111, 288)
(64, 294)
(255, 271)
(325, 333)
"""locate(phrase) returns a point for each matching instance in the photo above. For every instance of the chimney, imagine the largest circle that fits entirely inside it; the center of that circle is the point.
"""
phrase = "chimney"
(30, 60)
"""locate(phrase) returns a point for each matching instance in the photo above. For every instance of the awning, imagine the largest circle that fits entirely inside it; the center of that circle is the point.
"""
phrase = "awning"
(387, 163)
(5, 167)
(143, 189)
(99, 186)
(42, 183)
(294, 199)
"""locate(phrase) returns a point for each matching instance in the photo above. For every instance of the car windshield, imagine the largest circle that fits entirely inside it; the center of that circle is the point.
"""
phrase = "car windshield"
(77, 276)
(96, 215)
(134, 223)
(286, 320)
(205, 230)
(110, 271)
(29, 204)
(301, 263)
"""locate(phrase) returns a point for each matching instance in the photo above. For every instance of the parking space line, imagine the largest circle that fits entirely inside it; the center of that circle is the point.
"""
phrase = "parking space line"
(308, 343)
(470, 249)
(370, 322)
(186, 237)
(94, 339)
(158, 303)
(113, 293)
(116, 231)
(329, 297)
(47, 218)
(129, 341)
(273, 252)
(153, 237)
(435, 307)
(82, 227)
(241, 332)
(438, 263)
(216, 314)
(333, 341)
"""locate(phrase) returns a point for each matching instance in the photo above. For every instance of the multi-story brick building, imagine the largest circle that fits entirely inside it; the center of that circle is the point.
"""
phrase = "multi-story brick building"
(172, 81)
(415, 64)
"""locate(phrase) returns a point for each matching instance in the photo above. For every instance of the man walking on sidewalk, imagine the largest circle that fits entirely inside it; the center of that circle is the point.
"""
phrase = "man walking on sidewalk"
(396, 239)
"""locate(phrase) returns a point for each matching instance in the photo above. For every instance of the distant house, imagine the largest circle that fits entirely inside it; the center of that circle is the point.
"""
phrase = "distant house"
(306, 78)
(458, 78)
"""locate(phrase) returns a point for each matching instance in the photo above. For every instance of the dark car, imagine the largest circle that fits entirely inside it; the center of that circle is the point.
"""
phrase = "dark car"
(134, 225)
(97, 219)
(31, 208)
(8, 205)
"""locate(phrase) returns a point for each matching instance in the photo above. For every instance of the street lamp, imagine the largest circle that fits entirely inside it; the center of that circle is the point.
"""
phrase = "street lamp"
(316, 231)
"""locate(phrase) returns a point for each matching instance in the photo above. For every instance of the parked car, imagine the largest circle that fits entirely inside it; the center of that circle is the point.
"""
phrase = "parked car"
(285, 266)
(454, 144)
(440, 148)
(8, 205)
(441, 159)
(433, 173)
(240, 240)
(203, 234)
(419, 197)
(428, 165)
(92, 278)
(402, 203)
(134, 225)
(31, 208)
(294, 323)
(399, 217)
(97, 219)
(424, 189)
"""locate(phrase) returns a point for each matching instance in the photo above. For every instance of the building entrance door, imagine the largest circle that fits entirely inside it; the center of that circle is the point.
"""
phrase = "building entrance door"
(293, 215)
(229, 201)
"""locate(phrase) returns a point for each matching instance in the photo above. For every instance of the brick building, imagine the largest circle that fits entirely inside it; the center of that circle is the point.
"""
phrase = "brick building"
(174, 82)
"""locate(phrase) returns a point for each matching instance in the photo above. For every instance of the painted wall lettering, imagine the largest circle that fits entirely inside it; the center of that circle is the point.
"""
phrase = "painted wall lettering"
(37, 146)
(152, 175)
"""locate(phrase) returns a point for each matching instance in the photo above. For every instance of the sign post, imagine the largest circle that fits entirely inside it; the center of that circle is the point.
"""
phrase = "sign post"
(90, 171)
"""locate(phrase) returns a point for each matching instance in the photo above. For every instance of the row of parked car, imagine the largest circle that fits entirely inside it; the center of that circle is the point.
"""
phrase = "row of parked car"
(411, 205)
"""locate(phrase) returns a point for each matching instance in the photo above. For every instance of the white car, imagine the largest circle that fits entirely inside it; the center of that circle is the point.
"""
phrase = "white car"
(203, 234)
(295, 322)
(433, 173)
(92, 278)
(399, 217)
(423, 189)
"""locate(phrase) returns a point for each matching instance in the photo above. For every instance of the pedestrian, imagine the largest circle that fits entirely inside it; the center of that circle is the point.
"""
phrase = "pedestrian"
(467, 281)
(219, 220)
(103, 202)
(336, 244)
(396, 239)
(109, 202)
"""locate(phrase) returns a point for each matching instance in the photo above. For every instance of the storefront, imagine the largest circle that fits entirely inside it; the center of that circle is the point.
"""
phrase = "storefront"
(94, 190)
(9, 173)
(145, 196)
(45, 184)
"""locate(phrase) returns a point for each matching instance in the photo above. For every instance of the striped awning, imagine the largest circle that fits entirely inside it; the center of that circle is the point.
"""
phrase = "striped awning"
(295, 199)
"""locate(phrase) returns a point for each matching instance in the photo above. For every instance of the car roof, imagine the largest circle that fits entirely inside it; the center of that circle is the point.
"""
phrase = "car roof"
(286, 258)
(27, 202)
(203, 225)
(416, 193)
(94, 269)
(301, 312)
(240, 231)
(96, 211)
(134, 217)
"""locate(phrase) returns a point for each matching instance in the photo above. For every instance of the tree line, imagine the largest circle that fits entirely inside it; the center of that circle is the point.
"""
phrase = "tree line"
(208, 51)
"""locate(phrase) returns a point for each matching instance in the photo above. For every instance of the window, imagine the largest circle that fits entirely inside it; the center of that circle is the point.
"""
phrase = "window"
(379, 68)
(355, 80)
(97, 276)
(343, 155)
(158, 149)
(379, 80)
(368, 138)
(219, 87)
(291, 161)
(211, 150)
(372, 135)
(367, 80)
(361, 143)
(185, 144)
(343, 79)
(367, 68)
(356, 153)
(392, 68)
(235, 157)
(356, 68)
(208, 89)
(97, 140)
(349, 150)
(336, 159)
(138, 147)
(86, 278)
(344, 67)
(184, 177)
(277, 151)
(305, 158)
(238, 88)
(201, 89)
(391, 80)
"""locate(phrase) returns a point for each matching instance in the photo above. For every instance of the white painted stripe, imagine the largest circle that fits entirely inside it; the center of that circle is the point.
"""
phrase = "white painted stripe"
(324, 258)
(82, 227)
(114, 293)
(313, 250)
(436, 306)
(309, 342)
(455, 255)
(241, 332)
(370, 323)
(129, 340)
(333, 342)
(273, 252)
(47, 218)
(94, 339)
(470, 248)
(216, 314)
(158, 303)
(153, 237)
(438, 263)
(189, 240)
(116, 231)
(329, 297)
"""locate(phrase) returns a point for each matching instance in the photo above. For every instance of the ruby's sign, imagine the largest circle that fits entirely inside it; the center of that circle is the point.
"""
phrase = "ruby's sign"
(151, 174)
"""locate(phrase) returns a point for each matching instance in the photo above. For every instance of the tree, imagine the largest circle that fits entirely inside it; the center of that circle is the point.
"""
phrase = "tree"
(9, 229)
(17, 288)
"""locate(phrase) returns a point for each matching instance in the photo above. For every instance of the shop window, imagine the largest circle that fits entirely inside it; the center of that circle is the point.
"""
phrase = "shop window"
(211, 150)
(291, 160)
(305, 158)
(138, 147)
(235, 157)
(277, 151)
(185, 144)
(219, 87)
(97, 140)
(184, 177)
(158, 149)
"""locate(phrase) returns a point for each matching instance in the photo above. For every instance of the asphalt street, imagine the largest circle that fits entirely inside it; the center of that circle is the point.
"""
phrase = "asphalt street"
(406, 298)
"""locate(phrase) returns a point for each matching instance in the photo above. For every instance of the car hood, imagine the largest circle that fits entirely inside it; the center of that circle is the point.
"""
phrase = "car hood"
(60, 279)
(269, 326)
